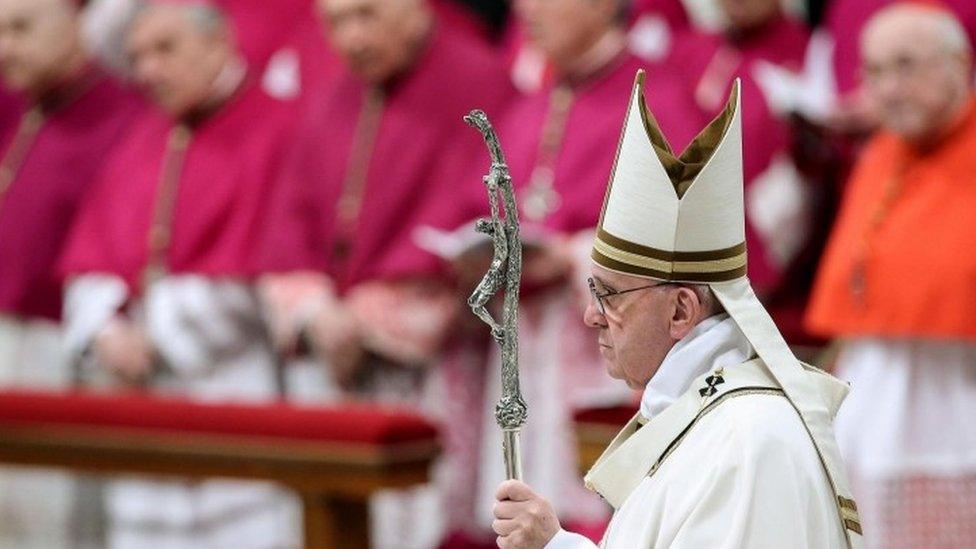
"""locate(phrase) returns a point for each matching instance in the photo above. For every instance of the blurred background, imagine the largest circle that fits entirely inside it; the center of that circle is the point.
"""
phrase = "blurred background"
(271, 204)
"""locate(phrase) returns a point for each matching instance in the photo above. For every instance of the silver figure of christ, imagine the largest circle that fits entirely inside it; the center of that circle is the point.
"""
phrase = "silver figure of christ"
(505, 272)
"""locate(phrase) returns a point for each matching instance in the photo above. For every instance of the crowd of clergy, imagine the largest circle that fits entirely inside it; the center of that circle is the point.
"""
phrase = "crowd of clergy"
(251, 200)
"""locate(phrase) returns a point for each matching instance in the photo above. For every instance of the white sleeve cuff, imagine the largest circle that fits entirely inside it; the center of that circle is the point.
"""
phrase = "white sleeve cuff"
(569, 540)
(90, 302)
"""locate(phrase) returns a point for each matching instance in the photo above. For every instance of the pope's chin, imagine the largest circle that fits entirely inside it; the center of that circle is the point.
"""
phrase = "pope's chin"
(615, 371)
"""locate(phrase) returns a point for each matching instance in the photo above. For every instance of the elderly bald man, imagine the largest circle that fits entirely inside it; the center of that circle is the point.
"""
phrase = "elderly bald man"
(896, 287)
(160, 265)
(62, 116)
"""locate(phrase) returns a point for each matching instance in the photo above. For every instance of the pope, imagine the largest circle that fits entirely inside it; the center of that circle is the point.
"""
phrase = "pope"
(733, 445)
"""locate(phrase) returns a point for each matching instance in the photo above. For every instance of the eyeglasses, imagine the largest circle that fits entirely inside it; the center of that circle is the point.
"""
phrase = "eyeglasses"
(600, 296)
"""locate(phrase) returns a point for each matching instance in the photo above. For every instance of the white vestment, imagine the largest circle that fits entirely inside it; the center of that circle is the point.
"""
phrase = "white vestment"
(736, 469)
(31, 354)
(31, 357)
(212, 347)
(907, 437)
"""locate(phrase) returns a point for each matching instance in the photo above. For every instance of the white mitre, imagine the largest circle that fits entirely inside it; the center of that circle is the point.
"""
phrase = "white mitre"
(681, 219)
(675, 218)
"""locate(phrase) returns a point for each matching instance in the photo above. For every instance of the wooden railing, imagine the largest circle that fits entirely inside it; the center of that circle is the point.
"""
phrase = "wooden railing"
(334, 458)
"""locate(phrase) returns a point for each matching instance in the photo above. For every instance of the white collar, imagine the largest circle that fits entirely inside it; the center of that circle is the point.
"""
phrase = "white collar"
(715, 342)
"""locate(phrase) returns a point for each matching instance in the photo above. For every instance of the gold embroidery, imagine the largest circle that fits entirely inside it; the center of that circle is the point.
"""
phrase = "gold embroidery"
(160, 229)
(697, 270)
(350, 201)
(541, 198)
(674, 276)
(702, 266)
(847, 503)
(665, 255)
(743, 391)
(853, 526)
(30, 125)
(685, 167)
(848, 512)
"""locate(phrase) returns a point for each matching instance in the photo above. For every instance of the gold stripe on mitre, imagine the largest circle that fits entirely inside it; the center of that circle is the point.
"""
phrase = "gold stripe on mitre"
(617, 254)
(848, 511)
(671, 180)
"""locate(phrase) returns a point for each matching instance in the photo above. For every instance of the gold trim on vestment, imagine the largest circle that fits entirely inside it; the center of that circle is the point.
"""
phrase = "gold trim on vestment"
(20, 146)
(740, 392)
(848, 512)
(160, 234)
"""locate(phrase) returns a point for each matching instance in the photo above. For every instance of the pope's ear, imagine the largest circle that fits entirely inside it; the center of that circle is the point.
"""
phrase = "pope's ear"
(687, 311)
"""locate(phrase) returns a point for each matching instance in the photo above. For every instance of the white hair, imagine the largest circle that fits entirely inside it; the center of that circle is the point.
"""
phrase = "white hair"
(710, 304)
(104, 25)
(207, 18)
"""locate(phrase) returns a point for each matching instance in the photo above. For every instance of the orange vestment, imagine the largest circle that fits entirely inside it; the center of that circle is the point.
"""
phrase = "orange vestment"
(901, 260)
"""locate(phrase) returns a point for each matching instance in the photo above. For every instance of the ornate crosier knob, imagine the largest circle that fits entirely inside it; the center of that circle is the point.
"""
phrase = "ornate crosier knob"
(505, 272)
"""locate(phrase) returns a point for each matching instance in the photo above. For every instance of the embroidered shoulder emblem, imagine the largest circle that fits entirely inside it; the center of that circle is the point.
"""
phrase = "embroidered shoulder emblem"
(711, 383)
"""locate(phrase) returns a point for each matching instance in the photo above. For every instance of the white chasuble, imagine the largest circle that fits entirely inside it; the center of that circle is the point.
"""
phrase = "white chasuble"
(726, 464)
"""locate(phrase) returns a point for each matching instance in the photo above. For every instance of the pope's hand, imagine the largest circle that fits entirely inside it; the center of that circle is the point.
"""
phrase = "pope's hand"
(523, 519)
